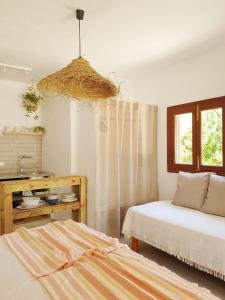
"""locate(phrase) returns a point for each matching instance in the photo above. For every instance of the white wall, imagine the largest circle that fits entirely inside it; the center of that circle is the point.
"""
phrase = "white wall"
(83, 150)
(12, 112)
(198, 78)
(57, 140)
(69, 143)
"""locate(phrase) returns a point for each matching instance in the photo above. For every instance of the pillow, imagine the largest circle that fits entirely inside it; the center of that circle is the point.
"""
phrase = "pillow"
(191, 189)
(215, 199)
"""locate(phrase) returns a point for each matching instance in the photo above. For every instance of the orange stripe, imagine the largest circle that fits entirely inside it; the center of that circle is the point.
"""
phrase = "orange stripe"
(71, 238)
(94, 280)
(166, 283)
(37, 247)
(83, 237)
(97, 240)
(117, 276)
(55, 243)
(49, 281)
(179, 285)
(75, 284)
(137, 282)
(23, 255)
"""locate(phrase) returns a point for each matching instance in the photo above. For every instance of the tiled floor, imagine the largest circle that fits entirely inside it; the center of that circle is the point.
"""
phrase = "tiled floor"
(216, 286)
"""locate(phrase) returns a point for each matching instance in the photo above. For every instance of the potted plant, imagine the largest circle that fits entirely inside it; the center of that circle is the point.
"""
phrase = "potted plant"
(31, 102)
(39, 129)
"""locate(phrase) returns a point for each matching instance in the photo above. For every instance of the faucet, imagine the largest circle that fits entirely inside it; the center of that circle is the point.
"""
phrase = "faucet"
(19, 162)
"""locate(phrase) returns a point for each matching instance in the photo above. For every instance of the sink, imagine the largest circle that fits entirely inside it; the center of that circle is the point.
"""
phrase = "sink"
(32, 173)
(26, 175)
(38, 174)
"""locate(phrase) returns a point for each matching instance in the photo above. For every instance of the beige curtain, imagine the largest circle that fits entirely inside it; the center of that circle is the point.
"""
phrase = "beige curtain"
(126, 162)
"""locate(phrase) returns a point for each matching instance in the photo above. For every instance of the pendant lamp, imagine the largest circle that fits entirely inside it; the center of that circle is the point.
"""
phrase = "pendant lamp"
(78, 79)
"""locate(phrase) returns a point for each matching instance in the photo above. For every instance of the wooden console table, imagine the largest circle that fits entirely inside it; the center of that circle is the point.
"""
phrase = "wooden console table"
(8, 214)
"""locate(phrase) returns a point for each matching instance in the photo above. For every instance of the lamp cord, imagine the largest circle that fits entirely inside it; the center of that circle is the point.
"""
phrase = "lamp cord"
(79, 41)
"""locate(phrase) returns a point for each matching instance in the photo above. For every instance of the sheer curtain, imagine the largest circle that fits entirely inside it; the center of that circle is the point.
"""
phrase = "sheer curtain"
(126, 164)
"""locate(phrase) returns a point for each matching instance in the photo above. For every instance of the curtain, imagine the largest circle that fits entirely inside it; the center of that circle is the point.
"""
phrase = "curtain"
(126, 162)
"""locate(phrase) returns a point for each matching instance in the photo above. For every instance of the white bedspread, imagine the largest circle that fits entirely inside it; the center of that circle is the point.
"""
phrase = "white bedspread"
(188, 234)
(16, 282)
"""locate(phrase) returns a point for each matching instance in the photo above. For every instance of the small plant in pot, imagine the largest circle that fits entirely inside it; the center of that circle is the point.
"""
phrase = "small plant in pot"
(39, 129)
(31, 102)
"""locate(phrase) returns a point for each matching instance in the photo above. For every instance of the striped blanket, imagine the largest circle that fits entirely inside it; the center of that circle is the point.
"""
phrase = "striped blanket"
(73, 261)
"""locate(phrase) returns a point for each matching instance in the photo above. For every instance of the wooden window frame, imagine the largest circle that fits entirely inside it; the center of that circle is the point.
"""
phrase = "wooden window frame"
(195, 108)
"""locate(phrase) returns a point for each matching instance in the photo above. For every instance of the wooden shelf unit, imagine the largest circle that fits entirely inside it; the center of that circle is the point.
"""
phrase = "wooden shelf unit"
(8, 214)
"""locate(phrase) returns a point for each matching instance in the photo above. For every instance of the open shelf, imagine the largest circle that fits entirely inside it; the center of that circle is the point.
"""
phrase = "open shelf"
(44, 210)
(9, 215)
(22, 133)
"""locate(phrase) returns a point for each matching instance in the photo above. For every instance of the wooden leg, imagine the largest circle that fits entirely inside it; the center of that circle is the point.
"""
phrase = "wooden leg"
(75, 215)
(83, 200)
(134, 244)
(8, 211)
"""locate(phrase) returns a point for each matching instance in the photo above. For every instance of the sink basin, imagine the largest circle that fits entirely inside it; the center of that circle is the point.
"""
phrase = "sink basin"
(38, 174)
(26, 175)
(34, 173)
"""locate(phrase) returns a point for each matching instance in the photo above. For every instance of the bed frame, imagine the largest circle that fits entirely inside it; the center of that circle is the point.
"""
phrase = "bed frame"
(134, 244)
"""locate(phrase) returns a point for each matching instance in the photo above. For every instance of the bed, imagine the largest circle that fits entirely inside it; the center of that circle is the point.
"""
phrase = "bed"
(65, 260)
(192, 236)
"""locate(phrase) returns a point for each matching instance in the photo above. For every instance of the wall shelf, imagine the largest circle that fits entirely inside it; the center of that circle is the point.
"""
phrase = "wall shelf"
(22, 133)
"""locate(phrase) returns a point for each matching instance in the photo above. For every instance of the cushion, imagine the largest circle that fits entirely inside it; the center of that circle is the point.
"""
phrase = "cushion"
(191, 189)
(215, 199)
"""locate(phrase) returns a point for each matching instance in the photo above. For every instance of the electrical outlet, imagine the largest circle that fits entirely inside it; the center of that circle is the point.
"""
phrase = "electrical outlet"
(2, 164)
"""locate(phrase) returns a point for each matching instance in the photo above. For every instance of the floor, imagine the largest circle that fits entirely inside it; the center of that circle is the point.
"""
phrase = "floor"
(216, 286)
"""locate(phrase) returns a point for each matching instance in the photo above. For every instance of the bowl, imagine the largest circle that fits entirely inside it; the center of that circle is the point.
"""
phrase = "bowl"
(52, 196)
(52, 201)
(31, 201)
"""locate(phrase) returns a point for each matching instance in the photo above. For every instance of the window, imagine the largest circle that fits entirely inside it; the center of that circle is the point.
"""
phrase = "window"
(183, 139)
(196, 136)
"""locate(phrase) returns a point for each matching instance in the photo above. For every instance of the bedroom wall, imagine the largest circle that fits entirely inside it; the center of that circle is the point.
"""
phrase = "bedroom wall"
(196, 78)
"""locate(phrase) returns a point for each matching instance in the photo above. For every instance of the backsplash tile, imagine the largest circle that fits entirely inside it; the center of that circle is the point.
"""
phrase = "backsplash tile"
(12, 146)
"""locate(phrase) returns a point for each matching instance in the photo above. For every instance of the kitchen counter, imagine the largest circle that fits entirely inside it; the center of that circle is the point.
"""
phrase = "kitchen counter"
(10, 215)
(25, 175)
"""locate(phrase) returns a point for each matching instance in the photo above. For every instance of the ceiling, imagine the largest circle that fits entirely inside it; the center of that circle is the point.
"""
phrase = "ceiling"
(116, 34)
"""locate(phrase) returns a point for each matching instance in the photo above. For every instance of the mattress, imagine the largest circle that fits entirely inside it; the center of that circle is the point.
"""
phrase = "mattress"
(190, 235)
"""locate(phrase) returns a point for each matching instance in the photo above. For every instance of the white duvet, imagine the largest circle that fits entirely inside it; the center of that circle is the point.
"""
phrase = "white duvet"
(16, 283)
(190, 235)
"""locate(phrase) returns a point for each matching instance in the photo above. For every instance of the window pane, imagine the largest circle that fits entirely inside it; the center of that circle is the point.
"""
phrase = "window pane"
(211, 149)
(184, 138)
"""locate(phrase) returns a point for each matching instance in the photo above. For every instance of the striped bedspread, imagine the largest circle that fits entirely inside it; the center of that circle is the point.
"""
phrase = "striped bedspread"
(73, 261)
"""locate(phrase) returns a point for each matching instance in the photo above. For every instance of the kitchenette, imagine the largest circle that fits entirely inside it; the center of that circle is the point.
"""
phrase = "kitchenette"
(30, 195)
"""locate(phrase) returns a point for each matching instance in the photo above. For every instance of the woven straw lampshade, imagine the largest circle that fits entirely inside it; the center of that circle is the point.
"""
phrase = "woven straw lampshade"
(79, 81)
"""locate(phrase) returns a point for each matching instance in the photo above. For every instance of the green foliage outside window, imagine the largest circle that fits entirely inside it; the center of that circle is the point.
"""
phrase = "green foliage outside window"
(185, 147)
(211, 140)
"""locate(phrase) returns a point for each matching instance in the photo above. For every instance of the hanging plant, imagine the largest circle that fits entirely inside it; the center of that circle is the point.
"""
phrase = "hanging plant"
(31, 102)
